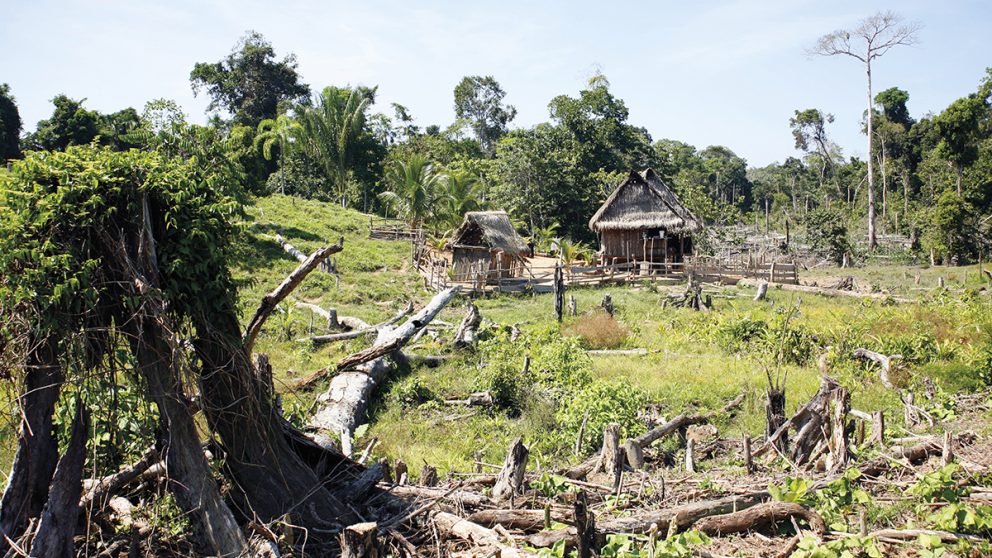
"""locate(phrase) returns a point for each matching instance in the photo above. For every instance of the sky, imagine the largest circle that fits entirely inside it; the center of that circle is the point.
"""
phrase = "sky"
(706, 72)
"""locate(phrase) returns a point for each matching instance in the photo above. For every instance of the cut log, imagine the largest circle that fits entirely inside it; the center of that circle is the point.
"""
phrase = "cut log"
(348, 395)
(617, 352)
(466, 333)
(460, 498)
(479, 399)
(913, 454)
(97, 494)
(58, 520)
(883, 362)
(684, 421)
(510, 480)
(827, 292)
(760, 517)
(359, 489)
(271, 300)
(521, 520)
(690, 458)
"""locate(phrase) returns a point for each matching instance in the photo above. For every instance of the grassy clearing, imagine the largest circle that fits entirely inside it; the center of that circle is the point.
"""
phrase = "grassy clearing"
(694, 360)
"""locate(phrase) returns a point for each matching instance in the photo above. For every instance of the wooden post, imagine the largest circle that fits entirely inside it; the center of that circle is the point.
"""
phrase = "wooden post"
(559, 290)
(771, 273)
(572, 310)
(748, 460)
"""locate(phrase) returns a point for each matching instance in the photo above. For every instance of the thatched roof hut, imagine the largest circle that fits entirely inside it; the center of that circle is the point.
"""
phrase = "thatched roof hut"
(487, 242)
(643, 219)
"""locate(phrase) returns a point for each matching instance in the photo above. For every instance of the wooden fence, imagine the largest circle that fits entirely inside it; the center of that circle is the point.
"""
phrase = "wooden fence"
(437, 272)
(393, 229)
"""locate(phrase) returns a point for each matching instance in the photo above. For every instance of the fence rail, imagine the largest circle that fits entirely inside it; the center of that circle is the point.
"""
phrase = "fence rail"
(393, 229)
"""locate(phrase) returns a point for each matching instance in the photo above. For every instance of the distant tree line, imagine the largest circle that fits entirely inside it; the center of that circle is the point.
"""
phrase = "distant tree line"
(932, 174)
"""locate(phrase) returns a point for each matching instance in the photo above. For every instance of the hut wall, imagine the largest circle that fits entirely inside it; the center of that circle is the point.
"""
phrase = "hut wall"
(464, 259)
(630, 244)
(503, 262)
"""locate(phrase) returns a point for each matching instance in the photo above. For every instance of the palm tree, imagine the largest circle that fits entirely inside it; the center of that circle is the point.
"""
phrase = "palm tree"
(461, 194)
(281, 133)
(542, 237)
(571, 253)
(413, 185)
(331, 127)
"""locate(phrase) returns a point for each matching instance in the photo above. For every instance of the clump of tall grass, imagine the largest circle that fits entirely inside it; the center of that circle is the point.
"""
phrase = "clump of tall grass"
(597, 330)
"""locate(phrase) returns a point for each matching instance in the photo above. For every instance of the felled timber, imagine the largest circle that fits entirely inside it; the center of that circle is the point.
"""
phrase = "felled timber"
(344, 403)
(759, 517)
(357, 332)
(825, 291)
(510, 480)
(477, 534)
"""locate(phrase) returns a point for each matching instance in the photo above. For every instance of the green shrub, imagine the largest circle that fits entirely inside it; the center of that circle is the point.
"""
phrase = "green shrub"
(605, 402)
(412, 392)
(738, 334)
(508, 385)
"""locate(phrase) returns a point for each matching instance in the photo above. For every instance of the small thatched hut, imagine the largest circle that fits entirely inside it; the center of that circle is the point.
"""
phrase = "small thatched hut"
(487, 242)
(643, 220)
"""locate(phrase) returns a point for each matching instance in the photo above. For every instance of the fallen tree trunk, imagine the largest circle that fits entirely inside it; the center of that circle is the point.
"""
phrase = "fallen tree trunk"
(682, 517)
(913, 454)
(461, 498)
(97, 494)
(354, 333)
(523, 520)
(759, 517)
(347, 397)
(271, 300)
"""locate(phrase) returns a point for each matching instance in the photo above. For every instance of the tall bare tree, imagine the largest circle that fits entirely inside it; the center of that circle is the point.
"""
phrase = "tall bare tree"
(871, 39)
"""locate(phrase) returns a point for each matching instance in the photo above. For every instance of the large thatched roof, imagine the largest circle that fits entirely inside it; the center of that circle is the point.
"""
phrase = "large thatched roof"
(644, 201)
(488, 229)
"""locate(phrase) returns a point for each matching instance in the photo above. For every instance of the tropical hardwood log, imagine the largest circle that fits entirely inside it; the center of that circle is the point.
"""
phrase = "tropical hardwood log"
(58, 519)
(759, 517)
(683, 421)
(634, 454)
(271, 300)
(929, 447)
(522, 520)
(344, 403)
(510, 480)
(460, 498)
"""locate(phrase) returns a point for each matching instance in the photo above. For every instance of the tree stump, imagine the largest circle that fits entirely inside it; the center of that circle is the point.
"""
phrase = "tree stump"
(762, 291)
(428, 475)
(610, 456)
(690, 458)
(634, 454)
(877, 428)
(585, 526)
(362, 541)
(572, 309)
(607, 304)
(401, 472)
(510, 480)
(775, 417)
(746, 450)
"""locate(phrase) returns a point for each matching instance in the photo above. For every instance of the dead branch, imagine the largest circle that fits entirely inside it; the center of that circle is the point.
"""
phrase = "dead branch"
(271, 300)
(465, 335)
(884, 362)
(355, 333)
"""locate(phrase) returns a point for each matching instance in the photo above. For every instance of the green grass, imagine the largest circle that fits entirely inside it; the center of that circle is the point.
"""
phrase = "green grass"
(687, 369)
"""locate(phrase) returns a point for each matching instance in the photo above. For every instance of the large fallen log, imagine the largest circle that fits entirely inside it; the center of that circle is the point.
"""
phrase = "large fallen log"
(460, 498)
(271, 300)
(521, 520)
(758, 518)
(97, 493)
(344, 403)
(682, 517)
(355, 333)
